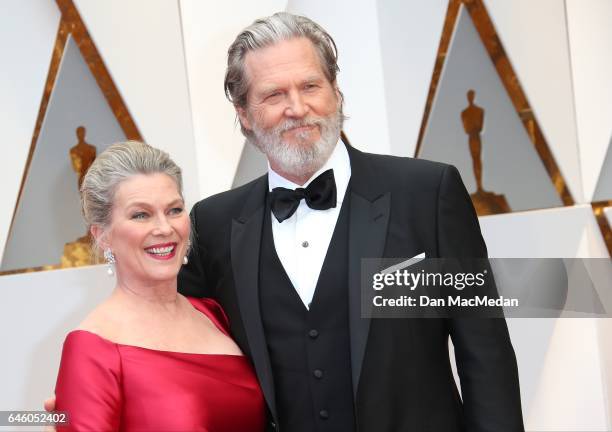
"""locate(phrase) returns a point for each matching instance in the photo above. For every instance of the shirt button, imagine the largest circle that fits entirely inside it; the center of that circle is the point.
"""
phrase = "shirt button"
(305, 244)
(318, 373)
(324, 414)
(313, 334)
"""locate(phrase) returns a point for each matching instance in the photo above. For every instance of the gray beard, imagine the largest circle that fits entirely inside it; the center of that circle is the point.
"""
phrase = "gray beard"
(300, 159)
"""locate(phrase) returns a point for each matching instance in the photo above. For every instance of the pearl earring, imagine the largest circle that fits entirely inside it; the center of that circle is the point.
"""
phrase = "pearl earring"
(110, 261)
(185, 259)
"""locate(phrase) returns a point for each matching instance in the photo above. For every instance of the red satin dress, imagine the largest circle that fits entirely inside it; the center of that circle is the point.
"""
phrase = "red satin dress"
(106, 386)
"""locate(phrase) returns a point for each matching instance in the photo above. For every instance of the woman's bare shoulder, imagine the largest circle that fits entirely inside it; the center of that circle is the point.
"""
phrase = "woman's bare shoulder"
(104, 320)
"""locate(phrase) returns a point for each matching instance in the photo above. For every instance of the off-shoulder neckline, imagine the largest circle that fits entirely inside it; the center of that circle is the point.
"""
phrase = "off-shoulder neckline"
(108, 341)
(191, 300)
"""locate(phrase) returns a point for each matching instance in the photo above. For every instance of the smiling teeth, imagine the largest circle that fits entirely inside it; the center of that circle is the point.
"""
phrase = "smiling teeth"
(161, 251)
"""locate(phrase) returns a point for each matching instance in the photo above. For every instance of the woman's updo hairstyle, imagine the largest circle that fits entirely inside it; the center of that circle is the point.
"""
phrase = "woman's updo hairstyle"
(117, 163)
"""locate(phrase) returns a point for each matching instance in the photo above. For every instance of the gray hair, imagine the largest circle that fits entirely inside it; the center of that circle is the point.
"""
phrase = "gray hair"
(268, 31)
(117, 163)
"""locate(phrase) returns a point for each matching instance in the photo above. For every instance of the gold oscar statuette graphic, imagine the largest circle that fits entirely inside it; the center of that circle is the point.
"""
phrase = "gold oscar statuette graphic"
(485, 202)
(72, 26)
(82, 155)
(79, 252)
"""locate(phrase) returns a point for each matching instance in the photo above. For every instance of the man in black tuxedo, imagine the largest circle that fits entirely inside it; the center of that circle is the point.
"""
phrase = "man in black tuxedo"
(282, 254)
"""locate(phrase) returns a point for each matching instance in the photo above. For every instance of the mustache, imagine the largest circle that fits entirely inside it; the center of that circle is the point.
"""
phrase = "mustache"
(292, 124)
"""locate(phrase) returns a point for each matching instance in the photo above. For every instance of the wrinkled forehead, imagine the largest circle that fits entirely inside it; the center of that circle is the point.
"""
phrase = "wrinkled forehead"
(286, 59)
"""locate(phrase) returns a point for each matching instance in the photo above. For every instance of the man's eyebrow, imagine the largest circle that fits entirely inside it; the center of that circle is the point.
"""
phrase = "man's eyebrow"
(312, 79)
(268, 89)
(271, 88)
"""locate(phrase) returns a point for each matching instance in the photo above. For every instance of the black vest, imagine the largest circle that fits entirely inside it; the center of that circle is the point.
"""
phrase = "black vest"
(309, 349)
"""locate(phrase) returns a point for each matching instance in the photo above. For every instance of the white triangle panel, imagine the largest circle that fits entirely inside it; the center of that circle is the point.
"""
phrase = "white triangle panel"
(608, 213)
(571, 395)
(44, 306)
(409, 33)
(603, 189)
(252, 164)
(141, 44)
(209, 28)
(590, 39)
(27, 36)
(604, 327)
(592, 243)
(568, 232)
(534, 35)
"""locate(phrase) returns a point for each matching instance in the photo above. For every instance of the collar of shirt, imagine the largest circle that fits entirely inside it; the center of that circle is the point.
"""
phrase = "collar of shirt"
(339, 161)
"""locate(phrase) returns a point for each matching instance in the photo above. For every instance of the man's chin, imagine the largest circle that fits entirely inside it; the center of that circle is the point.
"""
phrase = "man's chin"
(299, 140)
(298, 145)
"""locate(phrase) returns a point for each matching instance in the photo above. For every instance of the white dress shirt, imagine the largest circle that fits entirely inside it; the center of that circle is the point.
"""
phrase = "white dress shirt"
(301, 241)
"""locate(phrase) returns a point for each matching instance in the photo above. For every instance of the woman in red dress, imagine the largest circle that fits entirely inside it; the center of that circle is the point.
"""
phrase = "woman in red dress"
(148, 358)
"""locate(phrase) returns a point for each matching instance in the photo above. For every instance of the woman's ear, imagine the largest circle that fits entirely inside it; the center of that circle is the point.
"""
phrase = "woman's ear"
(100, 236)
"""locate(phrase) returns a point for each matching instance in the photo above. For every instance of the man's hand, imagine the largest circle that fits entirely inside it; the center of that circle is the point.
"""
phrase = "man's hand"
(49, 405)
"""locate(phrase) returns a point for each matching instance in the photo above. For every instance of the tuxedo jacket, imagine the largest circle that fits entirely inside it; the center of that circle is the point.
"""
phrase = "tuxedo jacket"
(401, 372)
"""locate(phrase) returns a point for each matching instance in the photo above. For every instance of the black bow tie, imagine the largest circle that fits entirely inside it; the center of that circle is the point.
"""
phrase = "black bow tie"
(319, 195)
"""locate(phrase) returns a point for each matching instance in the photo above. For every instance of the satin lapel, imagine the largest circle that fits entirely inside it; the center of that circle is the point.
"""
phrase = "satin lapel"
(368, 222)
(245, 246)
(367, 235)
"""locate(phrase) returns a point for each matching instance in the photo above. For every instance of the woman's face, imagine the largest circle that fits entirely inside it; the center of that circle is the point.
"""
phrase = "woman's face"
(149, 229)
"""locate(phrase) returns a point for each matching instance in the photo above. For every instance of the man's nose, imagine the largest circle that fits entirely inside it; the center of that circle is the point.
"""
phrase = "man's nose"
(297, 106)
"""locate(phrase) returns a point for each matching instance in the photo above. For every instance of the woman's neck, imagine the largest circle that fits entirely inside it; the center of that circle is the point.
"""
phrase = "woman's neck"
(153, 295)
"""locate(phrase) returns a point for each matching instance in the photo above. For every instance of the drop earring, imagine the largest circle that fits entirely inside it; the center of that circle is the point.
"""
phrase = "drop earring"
(110, 261)
(185, 259)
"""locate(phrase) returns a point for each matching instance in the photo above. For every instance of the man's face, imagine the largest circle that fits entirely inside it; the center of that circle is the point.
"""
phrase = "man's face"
(292, 110)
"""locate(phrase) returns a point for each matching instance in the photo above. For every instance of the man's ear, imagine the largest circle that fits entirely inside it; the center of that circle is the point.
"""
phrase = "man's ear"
(243, 117)
(337, 91)
(101, 237)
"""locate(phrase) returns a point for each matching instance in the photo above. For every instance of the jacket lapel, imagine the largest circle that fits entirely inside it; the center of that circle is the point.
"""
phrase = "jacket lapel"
(368, 222)
(245, 246)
